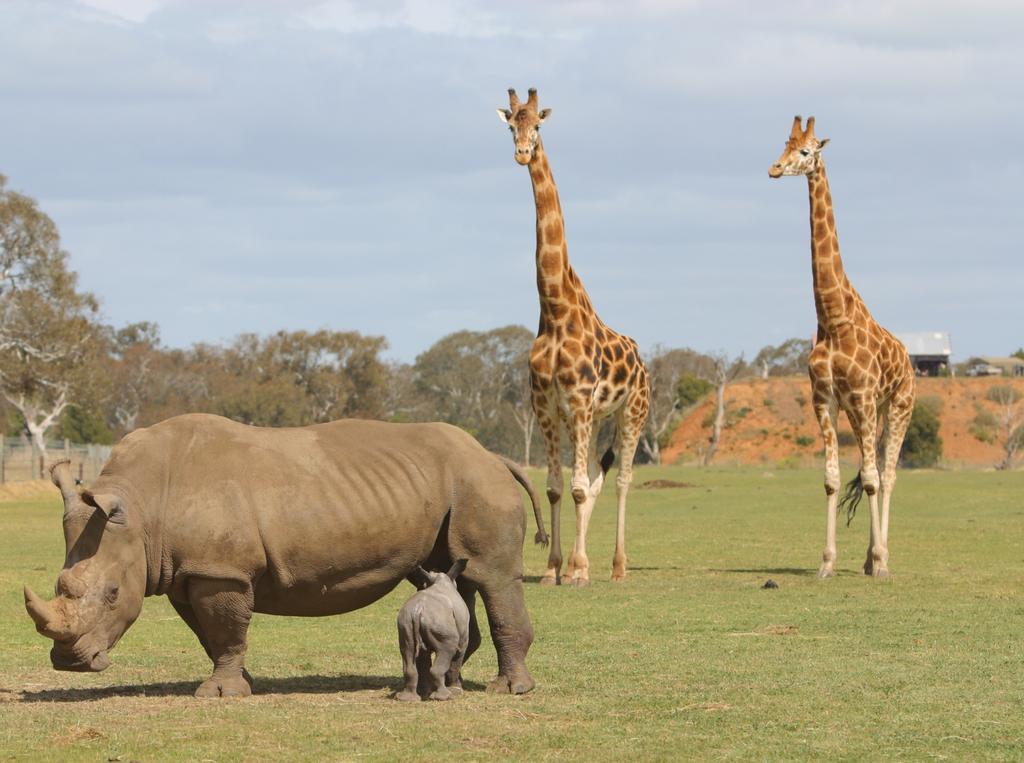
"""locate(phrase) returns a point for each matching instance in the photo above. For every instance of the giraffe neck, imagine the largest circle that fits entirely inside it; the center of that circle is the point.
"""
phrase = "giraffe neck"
(557, 284)
(832, 290)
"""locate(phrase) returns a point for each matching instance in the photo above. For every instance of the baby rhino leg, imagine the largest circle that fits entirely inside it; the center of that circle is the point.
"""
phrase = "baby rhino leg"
(407, 646)
(446, 649)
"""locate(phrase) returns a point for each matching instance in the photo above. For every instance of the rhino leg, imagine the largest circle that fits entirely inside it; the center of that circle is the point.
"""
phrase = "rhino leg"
(511, 632)
(222, 610)
(185, 611)
(454, 678)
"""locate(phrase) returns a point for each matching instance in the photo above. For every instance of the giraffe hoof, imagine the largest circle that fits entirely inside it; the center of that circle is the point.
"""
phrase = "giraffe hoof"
(881, 573)
(548, 580)
(618, 577)
(580, 582)
(826, 572)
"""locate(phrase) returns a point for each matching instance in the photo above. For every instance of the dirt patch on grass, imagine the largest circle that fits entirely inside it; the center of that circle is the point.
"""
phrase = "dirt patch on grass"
(663, 484)
(771, 630)
(77, 734)
(708, 707)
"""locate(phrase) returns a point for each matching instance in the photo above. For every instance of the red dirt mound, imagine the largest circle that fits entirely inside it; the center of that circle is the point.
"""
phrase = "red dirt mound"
(770, 422)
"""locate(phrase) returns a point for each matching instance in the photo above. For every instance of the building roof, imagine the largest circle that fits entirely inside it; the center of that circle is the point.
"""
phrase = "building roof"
(926, 342)
(993, 360)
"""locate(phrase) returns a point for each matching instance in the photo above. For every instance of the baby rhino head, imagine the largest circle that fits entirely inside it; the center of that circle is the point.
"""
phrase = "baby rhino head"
(442, 581)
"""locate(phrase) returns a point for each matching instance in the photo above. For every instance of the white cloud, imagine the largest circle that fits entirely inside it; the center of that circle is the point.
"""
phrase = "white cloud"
(134, 11)
(459, 18)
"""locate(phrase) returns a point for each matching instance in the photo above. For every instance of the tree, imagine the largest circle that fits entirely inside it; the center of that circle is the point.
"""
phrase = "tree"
(49, 335)
(286, 379)
(479, 380)
(134, 351)
(787, 359)
(340, 372)
(674, 386)
(724, 371)
(1010, 422)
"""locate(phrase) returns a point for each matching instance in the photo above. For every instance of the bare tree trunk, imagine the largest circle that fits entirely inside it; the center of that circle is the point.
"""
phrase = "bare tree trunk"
(36, 427)
(526, 420)
(650, 445)
(716, 429)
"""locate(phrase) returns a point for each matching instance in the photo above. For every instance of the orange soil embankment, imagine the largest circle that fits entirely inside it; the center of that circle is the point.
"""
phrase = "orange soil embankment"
(770, 422)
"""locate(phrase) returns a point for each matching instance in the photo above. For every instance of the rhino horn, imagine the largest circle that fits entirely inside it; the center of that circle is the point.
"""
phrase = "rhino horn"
(47, 620)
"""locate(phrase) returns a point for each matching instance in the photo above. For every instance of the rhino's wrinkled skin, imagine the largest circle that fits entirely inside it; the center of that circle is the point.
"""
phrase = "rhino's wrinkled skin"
(435, 621)
(226, 520)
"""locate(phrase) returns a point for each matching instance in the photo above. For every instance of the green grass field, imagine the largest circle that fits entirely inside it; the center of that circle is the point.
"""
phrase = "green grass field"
(688, 659)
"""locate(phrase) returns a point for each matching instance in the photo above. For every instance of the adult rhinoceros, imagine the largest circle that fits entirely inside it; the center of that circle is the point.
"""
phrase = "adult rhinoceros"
(227, 519)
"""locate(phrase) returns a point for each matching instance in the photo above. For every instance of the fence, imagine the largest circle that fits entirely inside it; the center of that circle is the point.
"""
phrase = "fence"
(20, 460)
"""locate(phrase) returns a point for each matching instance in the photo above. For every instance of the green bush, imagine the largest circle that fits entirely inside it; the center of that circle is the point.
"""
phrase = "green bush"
(803, 441)
(983, 425)
(1003, 395)
(692, 389)
(922, 446)
(846, 439)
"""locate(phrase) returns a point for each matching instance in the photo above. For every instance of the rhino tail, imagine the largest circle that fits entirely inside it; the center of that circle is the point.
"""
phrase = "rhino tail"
(520, 476)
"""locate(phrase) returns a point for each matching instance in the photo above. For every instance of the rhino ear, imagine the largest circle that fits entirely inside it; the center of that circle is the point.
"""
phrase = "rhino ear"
(419, 577)
(108, 503)
(458, 568)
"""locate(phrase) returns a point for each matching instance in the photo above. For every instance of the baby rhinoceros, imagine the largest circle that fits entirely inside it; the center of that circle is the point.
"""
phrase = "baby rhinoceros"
(435, 620)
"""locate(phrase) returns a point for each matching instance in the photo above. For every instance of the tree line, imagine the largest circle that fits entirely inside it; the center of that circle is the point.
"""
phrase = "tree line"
(64, 373)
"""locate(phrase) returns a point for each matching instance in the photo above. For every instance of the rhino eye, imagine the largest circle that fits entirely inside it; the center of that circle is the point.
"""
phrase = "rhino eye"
(111, 595)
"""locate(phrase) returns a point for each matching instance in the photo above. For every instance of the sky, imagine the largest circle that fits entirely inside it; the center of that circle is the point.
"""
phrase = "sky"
(223, 167)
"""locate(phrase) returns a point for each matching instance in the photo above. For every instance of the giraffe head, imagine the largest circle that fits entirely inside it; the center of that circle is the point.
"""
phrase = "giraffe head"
(802, 154)
(524, 120)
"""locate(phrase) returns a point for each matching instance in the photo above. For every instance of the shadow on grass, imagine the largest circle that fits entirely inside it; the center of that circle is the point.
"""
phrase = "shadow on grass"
(316, 684)
(801, 571)
(537, 578)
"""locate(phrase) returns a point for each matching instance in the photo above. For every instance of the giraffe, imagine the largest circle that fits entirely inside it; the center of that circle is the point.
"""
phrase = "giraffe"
(855, 365)
(581, 371)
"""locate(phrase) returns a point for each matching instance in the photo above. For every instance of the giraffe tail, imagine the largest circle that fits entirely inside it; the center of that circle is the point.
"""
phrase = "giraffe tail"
(520, 476)
(851, 497)
(607, 460)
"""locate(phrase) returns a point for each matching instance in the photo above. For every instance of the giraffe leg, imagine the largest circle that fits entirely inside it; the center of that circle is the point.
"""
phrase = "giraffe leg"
(583, 448)
(630, 428)
(825, 411)
(550, 429)
(865, 425)
(579, 561)
(897, 421)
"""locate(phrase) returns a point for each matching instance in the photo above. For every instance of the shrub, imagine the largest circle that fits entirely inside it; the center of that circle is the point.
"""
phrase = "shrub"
(983, 425)
(845, 439)
(1003, 395)
(922, 446)
(692, 389)
(803, 441)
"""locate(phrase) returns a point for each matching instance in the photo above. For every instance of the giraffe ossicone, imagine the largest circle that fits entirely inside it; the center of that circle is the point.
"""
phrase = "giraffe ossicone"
(581, 371)
(855, 365)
